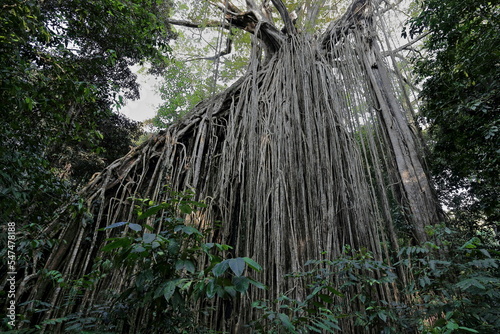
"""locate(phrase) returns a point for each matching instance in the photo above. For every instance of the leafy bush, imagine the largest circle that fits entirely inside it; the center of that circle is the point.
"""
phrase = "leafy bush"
(175, 268)
(456, 285)
(334, 285)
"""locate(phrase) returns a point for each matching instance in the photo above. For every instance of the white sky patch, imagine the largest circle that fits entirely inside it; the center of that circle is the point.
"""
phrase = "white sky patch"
(144, 108)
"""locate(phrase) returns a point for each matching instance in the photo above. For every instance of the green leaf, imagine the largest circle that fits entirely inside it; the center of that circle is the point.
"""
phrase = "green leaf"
(230, 290)
(185, 264)
(148, 238)
(223, 247)
(210, 291)
(452, 325)
(322, 325)
(118, 224)
(237, 265)
(169, 289)
(313, 328)
(158, 291)
(173, 246)
(151, 211)
(135, 227)
(472, 243)
(285, 320)
(220, 268)
(252, 264)
(334, 291)
(208, 245)
(185, 208)
(138, 249)
(241, 283)
(257, 284)
(117, 243)
(187, 230)
(485, 252)
(325, 298)
(467, 283)
(468, 329)
(315, 291)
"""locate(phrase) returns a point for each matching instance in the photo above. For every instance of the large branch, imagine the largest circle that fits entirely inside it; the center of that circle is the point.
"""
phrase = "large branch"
(356, 12)
(255, 21)
(285, 16)
(312, 11)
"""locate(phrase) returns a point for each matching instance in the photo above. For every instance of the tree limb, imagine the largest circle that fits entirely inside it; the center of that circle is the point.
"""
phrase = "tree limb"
(210, 24)
(406, 46)
(285, 16)
(226, 51)
(339, 28)
(226, 7)
(312, 11)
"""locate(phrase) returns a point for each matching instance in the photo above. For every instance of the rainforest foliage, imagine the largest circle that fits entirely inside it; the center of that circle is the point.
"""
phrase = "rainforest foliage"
(158, 260)
(65, 69)
(460, 98)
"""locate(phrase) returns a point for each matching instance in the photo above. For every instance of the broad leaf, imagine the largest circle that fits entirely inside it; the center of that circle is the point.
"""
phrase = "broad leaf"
(252, 264)
(148, 238)
(220, 268)
(257, 284)
(237, 266)
(151, 211)
(117, 243)
(118, 224)
(241, 283)
(185, 208)
(211, 289)
(169, 289)
(138, 249)
(135, 227)
(185, 264)
(187, 229)
(230, 290)
(285, 320)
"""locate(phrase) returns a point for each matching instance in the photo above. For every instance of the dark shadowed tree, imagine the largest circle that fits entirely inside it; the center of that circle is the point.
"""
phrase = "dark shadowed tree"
(64, 65)
(461, 98)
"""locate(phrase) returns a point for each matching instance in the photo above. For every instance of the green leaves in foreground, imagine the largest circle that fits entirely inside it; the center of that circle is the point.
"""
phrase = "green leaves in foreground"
(174, 268)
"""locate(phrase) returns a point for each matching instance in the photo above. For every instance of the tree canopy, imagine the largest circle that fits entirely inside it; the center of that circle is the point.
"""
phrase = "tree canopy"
(461, 99)
(65, 67)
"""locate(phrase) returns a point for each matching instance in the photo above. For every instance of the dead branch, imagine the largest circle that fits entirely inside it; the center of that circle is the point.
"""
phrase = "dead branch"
(210, 24)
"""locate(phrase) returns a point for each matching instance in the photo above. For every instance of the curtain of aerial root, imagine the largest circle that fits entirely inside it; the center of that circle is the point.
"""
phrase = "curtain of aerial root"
(292, 177)
(305, 154)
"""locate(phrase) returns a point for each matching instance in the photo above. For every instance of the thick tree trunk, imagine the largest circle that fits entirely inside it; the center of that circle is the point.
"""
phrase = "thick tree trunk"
(305, 154)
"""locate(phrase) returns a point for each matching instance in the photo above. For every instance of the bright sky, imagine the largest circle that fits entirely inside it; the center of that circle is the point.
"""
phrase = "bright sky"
(146, 106)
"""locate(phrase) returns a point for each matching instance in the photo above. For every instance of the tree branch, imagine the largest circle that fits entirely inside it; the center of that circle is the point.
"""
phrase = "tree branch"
(226, 51)
(226, 7)
(312, 11)
(404, 47)
(210, 24)
(285, 16)
(339, 28)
